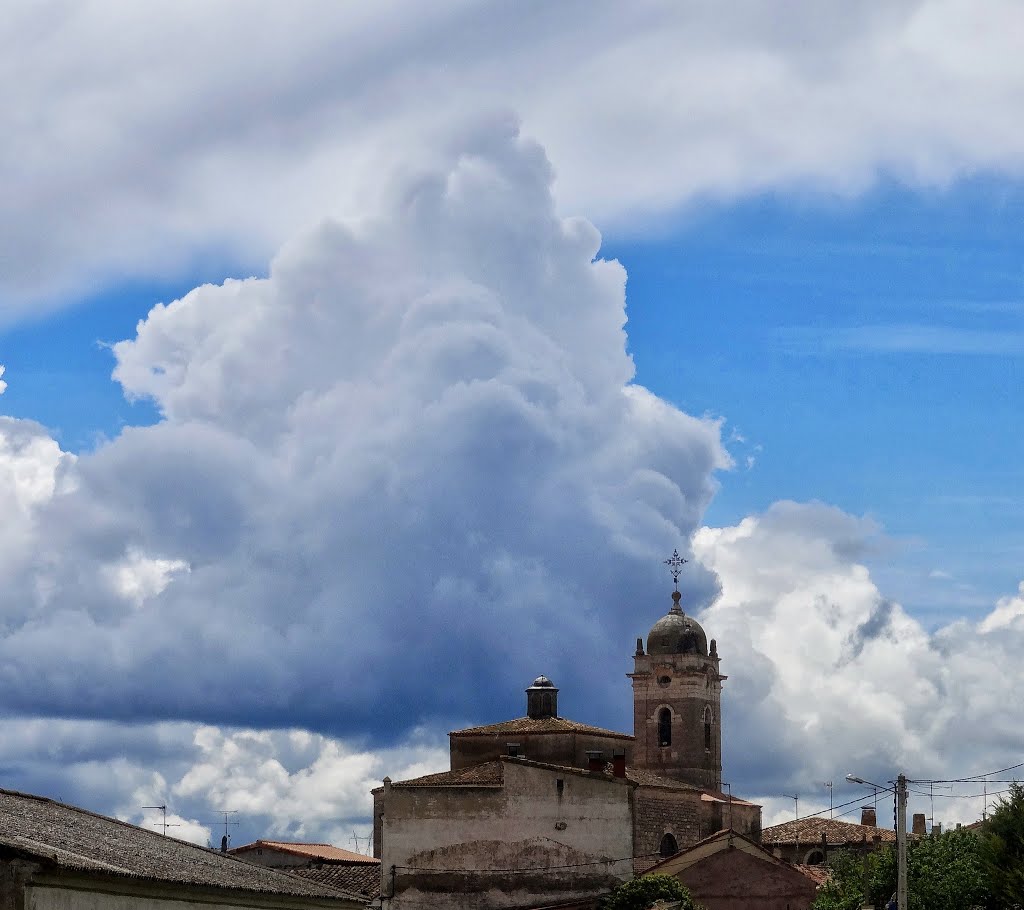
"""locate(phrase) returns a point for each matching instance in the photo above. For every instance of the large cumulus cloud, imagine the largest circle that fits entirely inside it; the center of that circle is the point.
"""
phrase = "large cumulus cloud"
(828, 676)
(153, 135)
(393, 481)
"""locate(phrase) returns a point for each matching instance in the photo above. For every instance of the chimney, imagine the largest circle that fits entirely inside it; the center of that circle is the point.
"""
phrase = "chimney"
(919, 825)
(868, 817)
(936, 828)
(595, 761)
(224, 844)
(619, 763)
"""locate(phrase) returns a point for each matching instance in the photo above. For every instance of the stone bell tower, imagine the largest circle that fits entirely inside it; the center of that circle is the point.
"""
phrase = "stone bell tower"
(677, 697)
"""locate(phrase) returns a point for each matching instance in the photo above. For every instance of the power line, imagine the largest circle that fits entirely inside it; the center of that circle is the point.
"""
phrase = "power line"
(969, 777)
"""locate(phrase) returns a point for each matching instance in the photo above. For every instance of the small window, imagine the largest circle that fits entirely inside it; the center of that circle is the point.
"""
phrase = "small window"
(665, 727)
(559, 786)
(668, 847)
(815, 858)
(707, 729)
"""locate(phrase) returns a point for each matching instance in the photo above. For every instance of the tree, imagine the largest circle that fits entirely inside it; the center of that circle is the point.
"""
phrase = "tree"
(1002, 849)
(944, 872)
(640, 893)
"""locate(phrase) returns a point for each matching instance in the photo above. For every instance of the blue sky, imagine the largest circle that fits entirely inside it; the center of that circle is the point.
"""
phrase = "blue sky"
(406, 466)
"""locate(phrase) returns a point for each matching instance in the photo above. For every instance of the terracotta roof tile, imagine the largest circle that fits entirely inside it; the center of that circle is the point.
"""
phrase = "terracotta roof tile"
(360, 878)
(323, 852)
(489, 774)
(75, 838)
(817, 874)
(809, 830)
(650, 779)
(538, 725)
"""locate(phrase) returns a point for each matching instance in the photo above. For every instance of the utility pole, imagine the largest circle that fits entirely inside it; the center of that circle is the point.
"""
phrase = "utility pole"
(901, 842)
(828, 784)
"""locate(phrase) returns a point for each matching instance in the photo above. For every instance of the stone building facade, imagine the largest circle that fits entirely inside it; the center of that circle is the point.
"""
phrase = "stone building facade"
(496, 830)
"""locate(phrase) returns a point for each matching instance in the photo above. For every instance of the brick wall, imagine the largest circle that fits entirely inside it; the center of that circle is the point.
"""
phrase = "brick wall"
(661, 811)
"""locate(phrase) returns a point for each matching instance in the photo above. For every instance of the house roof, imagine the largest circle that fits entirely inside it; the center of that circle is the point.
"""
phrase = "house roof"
(360, 878)
(76, 839)
(538, 725)
(726, 839)
(809, 830)
(323, 852)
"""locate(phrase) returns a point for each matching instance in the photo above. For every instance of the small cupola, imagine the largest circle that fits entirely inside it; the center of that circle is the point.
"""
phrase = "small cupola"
(542, 699)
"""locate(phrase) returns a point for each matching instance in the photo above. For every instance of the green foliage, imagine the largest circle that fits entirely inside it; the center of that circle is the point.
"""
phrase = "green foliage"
(640, 893)
(1002, 849)
(851, 872)
(944, 872)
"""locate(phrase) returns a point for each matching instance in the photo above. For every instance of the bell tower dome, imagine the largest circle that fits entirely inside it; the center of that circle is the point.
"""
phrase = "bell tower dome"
(677, 697)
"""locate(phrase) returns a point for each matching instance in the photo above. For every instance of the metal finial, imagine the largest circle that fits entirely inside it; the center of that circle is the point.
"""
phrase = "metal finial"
(675, 564)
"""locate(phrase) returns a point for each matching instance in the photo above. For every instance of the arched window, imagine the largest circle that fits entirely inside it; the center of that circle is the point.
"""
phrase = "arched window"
(668, 847)
(664, 727)
(814, 858)
(708, 718)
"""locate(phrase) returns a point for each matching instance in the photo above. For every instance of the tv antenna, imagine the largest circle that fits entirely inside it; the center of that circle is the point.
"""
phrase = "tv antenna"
(796, 803)
(164, 824)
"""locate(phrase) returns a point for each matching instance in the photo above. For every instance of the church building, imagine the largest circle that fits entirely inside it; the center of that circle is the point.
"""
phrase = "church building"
(542, 809)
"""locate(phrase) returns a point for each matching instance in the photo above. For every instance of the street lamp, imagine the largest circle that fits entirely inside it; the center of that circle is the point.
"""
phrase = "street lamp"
(901, 833)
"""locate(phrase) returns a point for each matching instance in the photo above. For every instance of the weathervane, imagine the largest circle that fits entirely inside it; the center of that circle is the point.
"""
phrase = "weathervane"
(675, 564)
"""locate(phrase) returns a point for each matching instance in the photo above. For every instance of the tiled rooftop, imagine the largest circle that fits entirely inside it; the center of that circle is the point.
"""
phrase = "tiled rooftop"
(323, 852)
(539, 725)
(360, 878)
(73, 838)
(489, 774)
(809, 830)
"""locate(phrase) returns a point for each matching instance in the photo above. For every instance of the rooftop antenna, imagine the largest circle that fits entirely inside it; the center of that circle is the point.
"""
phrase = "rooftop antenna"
(796, 803)
(356, 839)
(226, 822)
(828, 784)
(164, 824)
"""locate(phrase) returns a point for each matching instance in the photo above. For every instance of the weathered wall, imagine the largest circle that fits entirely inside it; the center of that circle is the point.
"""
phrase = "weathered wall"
(714, 816)
(659, 812)
(530, 840)
(554, 748)
(735, 880)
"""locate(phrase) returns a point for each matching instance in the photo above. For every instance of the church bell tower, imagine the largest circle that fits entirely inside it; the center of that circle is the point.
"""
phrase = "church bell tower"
(677, 697)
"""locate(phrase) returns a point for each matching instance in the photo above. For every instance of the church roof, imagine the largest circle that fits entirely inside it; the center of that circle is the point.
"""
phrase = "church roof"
(538, 725)
(489, 774)
(809, 830)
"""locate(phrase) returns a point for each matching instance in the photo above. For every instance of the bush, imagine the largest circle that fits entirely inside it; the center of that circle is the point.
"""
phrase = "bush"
(641, 892)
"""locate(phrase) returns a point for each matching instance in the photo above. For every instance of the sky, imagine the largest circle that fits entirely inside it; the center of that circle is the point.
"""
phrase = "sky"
(360, 364)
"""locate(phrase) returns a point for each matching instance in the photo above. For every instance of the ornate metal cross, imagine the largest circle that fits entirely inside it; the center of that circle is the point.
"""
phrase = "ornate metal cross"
(675, 564)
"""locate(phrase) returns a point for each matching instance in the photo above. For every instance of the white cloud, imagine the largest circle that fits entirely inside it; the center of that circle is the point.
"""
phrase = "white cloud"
(180, 130)
(3, 385)
(285, 783)
(1008, 610)
(138, 577)
(827, 676)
